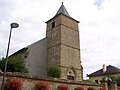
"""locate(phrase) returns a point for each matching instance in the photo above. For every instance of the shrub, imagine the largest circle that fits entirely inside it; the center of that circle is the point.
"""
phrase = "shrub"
(116, 78)
(91, 88)
(86, 81)
(63, 87)
(53, 71)
(13, 84)
(79, 88)
(41, 85)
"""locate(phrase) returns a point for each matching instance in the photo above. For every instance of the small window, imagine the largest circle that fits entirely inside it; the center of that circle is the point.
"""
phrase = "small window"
(96, 81)
(53, 24)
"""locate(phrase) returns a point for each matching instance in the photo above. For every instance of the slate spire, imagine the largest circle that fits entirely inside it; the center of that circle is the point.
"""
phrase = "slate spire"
(62, 10)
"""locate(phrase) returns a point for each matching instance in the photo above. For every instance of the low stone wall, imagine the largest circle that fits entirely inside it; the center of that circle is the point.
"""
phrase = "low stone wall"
(118, 88)
(28, 82)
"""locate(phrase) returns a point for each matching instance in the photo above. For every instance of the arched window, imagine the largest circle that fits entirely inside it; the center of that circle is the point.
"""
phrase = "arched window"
(53, 24)
(71, 74)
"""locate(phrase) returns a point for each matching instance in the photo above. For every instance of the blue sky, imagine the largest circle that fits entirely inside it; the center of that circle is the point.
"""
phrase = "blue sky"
(99, 27)
(99, 3)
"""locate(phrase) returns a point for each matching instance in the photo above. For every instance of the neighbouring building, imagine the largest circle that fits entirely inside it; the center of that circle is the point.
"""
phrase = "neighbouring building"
(61, 47)
(106, 71)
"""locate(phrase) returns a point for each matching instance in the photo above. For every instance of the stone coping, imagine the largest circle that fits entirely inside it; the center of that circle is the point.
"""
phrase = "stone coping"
(58, 80)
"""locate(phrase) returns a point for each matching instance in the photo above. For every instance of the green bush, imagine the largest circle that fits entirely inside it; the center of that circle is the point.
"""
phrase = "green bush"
(53, 71)
(116, 78)
(15, 64)
(86, 81)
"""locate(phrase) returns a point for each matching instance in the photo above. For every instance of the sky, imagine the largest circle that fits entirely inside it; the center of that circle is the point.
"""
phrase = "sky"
(99, 27)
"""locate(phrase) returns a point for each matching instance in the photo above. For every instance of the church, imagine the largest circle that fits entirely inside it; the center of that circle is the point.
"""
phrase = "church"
(60, 47)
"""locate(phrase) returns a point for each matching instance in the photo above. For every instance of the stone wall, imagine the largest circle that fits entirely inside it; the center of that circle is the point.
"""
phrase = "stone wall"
(118, 88)
(28, 82)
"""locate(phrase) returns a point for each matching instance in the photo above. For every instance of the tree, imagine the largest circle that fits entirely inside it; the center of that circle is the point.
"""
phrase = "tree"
(15, 64)
(116, 78)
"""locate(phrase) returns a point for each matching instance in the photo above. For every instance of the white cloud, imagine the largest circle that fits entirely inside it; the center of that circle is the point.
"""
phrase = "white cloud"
(100, 36)
(99, 27)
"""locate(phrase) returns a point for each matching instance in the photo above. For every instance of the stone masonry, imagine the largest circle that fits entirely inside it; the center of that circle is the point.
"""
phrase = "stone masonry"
(63, 47)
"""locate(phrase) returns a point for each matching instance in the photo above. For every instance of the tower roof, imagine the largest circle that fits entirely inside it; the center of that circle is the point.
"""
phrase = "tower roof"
(63, 10)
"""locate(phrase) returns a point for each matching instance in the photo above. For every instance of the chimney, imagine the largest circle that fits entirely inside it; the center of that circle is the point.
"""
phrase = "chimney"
(104, 68)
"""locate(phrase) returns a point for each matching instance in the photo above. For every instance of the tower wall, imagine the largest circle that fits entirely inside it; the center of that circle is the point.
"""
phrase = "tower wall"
(63, 46)
(53, 41)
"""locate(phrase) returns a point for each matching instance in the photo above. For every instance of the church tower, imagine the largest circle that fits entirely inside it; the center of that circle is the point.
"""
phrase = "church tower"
(63, 47)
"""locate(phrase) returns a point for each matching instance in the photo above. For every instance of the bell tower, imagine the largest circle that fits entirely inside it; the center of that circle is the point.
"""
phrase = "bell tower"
(63, 47)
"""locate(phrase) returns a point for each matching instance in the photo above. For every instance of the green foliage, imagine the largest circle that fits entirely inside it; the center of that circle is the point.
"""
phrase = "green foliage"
(53, 71)
(15, 64)
(116, 78)
(86, 81)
